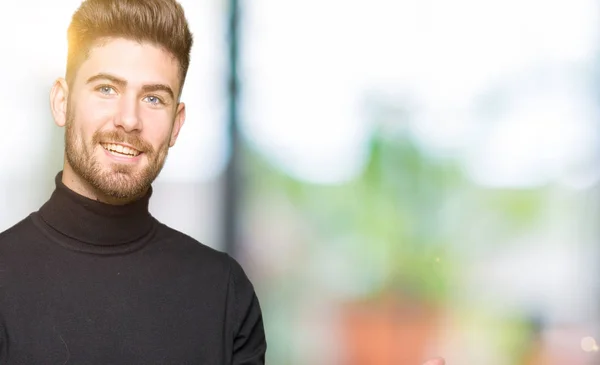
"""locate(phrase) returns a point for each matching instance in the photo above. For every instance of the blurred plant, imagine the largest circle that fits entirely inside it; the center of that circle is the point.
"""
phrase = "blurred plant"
(389, 221)
(400, 225)
(399, 230)
(396, 224)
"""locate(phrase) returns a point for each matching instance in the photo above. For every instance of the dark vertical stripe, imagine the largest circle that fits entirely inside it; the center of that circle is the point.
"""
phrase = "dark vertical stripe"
(232, 189)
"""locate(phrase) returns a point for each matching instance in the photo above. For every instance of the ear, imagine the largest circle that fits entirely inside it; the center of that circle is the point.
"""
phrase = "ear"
(59, 96)
(177, 123)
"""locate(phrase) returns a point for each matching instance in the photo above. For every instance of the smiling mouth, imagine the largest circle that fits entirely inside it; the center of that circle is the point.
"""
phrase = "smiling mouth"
(120, 150)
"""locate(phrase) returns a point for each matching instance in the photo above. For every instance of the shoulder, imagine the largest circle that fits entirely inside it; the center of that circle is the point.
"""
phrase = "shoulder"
(18, 242)
(189, 249)
(185, 251)
(18, 232)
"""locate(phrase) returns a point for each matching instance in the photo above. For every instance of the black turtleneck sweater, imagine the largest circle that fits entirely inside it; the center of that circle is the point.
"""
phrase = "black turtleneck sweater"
(82, 282)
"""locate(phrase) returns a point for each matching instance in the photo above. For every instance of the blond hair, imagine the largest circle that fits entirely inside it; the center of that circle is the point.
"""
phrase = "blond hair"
(159, 22)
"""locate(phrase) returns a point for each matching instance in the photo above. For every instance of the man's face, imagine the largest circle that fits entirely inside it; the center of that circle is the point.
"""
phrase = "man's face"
(122, 116)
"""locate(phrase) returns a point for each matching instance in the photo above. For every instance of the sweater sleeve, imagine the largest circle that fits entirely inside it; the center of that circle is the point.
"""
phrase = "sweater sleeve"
(249, 341)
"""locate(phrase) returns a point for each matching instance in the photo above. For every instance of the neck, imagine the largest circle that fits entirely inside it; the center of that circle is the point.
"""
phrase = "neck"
(89, 225)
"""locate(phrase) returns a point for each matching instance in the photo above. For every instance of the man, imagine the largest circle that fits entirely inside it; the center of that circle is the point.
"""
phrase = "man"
(92, 277)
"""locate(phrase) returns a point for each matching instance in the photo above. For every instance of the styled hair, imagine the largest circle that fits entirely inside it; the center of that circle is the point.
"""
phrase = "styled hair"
(159, 22)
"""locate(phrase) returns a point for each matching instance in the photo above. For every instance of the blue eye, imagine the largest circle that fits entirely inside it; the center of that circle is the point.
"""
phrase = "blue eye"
(153, 100)
(106, 90)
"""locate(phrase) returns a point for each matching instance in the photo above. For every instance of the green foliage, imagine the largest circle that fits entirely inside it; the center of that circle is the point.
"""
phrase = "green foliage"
(400, 215)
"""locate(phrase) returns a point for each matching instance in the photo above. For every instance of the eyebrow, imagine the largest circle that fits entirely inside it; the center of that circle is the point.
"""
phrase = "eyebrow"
(102, 76)
(158, 87)
(122, 83)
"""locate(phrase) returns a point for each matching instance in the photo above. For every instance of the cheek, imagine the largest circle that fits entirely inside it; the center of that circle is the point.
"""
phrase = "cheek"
(99, 110)
(92, 115)
(157, 127)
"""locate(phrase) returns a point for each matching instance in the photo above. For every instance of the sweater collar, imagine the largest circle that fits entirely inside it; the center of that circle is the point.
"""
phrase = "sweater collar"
(93, 223)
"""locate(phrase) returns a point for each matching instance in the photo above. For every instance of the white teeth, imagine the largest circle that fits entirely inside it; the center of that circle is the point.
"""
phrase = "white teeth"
(118, 149)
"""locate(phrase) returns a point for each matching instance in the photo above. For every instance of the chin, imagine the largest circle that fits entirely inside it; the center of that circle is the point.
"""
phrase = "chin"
(121, 183)
(123, 191)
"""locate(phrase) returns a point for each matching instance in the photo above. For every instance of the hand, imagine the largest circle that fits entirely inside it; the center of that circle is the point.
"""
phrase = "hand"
(435, 361)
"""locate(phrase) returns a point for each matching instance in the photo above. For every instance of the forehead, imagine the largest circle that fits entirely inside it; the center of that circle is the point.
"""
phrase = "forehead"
(137, 63)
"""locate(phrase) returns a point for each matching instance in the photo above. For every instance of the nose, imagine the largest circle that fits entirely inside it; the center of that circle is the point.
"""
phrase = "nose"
(128, 118)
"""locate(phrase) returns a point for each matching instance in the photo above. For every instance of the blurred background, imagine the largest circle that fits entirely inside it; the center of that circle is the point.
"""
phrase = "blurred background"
(400, 179)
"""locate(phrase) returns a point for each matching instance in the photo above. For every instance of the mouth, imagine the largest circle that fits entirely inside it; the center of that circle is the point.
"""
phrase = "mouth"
(120, 150)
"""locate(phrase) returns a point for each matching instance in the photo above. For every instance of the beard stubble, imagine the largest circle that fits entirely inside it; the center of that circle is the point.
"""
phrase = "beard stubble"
(118, 181)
